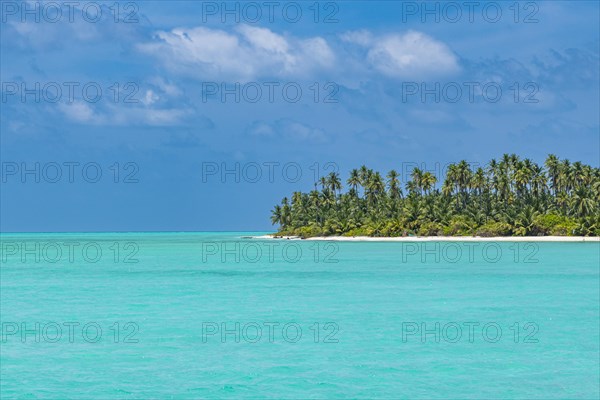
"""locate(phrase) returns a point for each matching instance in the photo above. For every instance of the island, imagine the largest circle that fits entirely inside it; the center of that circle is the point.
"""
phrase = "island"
(510, 197)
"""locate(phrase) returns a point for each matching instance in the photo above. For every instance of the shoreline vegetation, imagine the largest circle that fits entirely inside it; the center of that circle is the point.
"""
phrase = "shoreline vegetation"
(438, 238)
(510, 199)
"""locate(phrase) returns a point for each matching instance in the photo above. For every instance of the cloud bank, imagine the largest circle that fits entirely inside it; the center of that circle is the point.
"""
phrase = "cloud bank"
(248, 53)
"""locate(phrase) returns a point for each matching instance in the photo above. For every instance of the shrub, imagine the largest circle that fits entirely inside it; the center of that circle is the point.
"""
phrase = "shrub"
(361, 231)
(431, 229)
(303, 231)
(393, 229)
(553, 224)
(492, 229)
(459, 226)
(589, 226)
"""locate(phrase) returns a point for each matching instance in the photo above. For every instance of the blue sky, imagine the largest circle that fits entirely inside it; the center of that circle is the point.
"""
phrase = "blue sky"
(163, 118)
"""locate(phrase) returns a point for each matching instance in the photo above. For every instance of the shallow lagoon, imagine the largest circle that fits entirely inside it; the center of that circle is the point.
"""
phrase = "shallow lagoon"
(213, 315)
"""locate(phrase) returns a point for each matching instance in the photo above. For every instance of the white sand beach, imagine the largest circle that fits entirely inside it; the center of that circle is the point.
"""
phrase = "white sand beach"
(440, 238)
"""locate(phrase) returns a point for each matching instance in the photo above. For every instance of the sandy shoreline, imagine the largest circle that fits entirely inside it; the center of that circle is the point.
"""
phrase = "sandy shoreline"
(440, 238)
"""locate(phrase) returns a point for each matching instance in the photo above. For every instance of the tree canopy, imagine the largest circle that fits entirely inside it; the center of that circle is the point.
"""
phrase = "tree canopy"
(509, 197)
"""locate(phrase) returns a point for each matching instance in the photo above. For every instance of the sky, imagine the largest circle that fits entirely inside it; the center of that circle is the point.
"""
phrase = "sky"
(201, 116)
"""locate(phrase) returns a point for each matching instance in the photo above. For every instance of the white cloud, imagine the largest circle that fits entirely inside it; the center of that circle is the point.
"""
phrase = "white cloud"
(167, 87)
(300, 131)
(361, 37)
(245, 54)
(78, 112)
(287, 128)
(413, 54)
(319, 50)
(261, 129)
(159, 117)
(248, 52)
(409, 55)
(150, 98)
(117, 115)
(264, 39)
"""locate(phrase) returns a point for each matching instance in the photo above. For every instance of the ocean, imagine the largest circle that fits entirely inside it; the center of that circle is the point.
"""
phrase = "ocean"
(219, 315)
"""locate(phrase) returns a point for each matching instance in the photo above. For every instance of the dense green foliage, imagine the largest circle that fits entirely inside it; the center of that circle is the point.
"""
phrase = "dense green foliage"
(508, 197)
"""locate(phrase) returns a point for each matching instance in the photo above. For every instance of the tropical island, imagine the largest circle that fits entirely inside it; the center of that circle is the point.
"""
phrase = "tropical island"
(509, 197)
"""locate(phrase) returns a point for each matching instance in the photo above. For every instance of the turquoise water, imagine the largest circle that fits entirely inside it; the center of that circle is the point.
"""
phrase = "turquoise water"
(160, 300)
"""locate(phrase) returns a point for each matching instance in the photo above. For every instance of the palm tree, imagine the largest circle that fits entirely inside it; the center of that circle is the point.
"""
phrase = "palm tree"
(276, 216)
(564, 176)
(324, 184)
(583, 204)
(376, 186)
(364, 174)
(394, 188)
(464, 175)
(521, 178)
(428, 181)
(514, 191)
(525, 220)
(553, 165)
(334, 182)
(447, 188)
(578, 174)
(354, 180)
(286, 212)
(478, 183)
(539, 181)
(417, 179)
